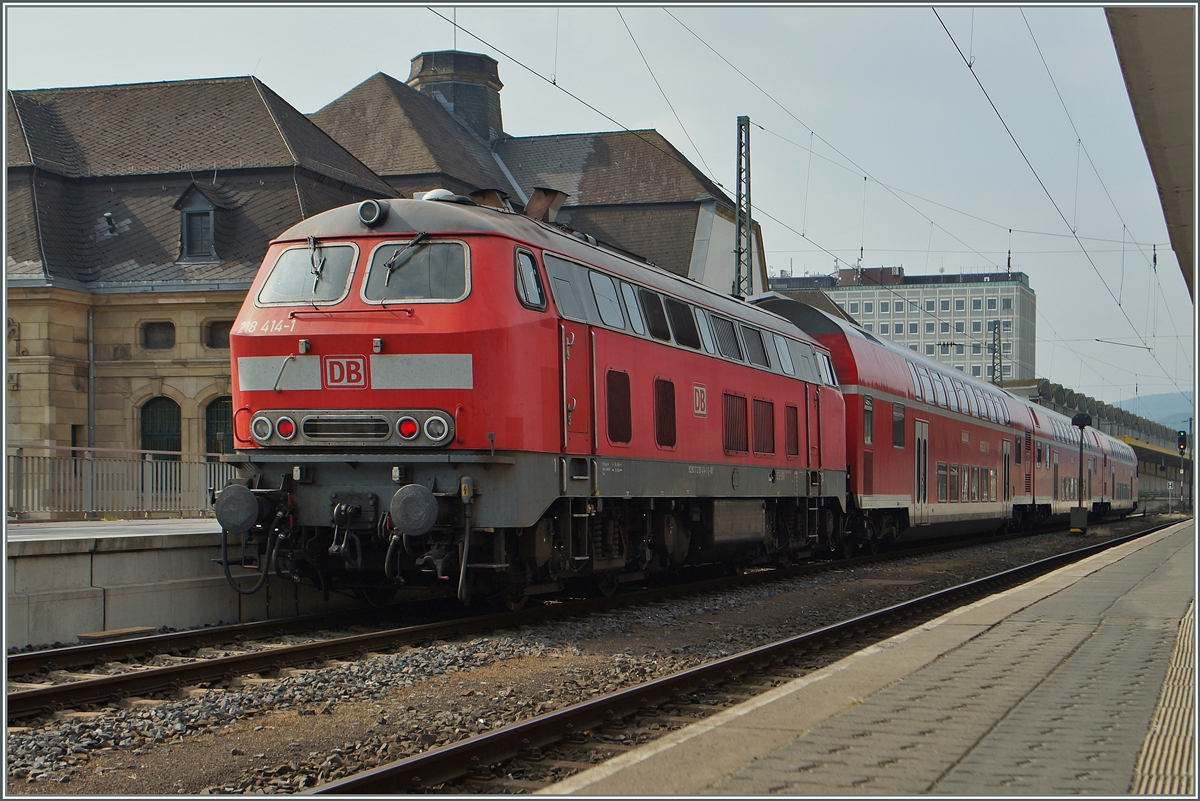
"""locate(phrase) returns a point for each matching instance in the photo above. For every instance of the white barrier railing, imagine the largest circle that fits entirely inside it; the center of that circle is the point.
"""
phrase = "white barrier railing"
(47, 482)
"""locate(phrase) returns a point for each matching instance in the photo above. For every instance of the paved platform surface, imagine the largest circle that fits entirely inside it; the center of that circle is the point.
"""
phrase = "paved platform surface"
(1051, 688)
(99, 529)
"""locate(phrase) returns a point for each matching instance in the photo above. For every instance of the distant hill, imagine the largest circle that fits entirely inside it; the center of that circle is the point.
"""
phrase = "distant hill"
(1168, 408)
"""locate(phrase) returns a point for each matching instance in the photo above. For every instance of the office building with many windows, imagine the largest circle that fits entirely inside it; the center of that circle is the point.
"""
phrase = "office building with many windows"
(952, 318)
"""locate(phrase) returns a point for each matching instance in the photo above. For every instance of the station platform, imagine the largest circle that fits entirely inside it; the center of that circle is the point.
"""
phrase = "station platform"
(63, 579)
(1077, 682)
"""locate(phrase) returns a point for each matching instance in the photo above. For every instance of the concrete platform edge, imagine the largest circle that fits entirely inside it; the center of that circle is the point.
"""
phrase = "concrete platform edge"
(708, 751)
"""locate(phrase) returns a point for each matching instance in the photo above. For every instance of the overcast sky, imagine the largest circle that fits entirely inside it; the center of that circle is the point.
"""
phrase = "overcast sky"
(879, 93)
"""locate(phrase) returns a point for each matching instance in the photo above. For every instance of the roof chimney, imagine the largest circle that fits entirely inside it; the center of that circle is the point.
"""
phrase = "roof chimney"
(544, 203)
(468, 84)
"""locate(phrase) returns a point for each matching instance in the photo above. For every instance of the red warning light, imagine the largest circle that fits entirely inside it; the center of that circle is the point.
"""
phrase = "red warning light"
(285, 428)
(407, 428)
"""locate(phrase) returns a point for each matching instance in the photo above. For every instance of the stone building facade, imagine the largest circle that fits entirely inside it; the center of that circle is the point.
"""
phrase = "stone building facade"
(137, 217)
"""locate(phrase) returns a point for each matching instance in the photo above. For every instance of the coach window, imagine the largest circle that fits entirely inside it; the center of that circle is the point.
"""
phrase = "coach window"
(897, 425)
(912, 373)
(682, 323)
(951, 398)
(938, 389)
(311, 275)
(953, 483)
(971, 404)
(974, 483)
(941, 482)
(417, 270)
(656, 319)
(755, 351)
(964, 479)
(926, 384)
(868, 419)
(706, 335)
(727, 340)
(529, 283)
(607, 301)
(631, 306)
(785, 358)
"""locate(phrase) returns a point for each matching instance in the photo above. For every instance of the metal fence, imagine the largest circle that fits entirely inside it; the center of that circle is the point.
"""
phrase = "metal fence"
(47, 482)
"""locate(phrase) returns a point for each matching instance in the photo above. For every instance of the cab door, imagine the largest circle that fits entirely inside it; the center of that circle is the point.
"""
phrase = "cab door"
(575, 368)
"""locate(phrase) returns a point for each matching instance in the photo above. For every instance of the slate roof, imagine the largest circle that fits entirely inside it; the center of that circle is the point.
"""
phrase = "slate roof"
(607, 168)
(171, 127)
(397, 131)
(135, 152)
(663, 234)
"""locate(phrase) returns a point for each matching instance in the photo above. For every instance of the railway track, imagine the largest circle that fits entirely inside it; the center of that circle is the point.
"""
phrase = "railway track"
(60, 689)
(536, 752)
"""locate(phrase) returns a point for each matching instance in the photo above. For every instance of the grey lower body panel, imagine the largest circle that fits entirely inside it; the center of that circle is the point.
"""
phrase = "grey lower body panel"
(514, 490)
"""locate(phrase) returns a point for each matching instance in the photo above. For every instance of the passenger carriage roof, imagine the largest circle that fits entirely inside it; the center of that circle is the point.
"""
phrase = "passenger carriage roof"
(449, 217)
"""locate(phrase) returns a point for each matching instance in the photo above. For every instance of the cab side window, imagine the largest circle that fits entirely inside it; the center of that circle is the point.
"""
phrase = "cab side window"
(529, 283)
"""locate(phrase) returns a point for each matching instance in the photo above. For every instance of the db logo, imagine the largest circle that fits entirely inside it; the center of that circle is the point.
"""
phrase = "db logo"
(699, 400)
(344, 372)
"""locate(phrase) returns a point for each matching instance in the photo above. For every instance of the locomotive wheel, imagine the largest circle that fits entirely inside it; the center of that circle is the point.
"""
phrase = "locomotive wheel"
(511, 601)
(378, 597)
(607, 583)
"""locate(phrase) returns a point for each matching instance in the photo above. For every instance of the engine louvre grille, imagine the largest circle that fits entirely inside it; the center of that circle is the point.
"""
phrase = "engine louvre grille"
(338, 427)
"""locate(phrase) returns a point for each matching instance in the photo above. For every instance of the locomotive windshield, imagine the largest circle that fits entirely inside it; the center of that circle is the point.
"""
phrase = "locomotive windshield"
(310, 274)
(417, 270)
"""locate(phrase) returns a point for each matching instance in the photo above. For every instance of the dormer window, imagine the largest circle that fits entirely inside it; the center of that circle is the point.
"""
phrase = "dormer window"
(197, 235)
(199, 206)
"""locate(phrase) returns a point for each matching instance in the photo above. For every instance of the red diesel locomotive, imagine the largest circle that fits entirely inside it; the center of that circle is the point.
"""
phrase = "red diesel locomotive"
(932, 451)
(439, 394)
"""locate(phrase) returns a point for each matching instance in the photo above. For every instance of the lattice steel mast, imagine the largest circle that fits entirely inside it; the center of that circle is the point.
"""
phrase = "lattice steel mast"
(743, 270)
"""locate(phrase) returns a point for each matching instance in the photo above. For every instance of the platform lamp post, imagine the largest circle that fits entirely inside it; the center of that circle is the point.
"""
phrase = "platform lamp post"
(1079, 513)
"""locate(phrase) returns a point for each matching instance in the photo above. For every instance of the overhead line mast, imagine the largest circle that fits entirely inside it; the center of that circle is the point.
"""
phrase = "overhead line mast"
(743, 269)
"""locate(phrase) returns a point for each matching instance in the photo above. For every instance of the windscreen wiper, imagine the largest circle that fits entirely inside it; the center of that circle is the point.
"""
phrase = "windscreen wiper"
(392, 263)
(318, 266)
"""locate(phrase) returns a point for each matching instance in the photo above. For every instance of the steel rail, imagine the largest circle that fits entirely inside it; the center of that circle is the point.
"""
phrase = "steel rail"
(456, 760)
(27, 703)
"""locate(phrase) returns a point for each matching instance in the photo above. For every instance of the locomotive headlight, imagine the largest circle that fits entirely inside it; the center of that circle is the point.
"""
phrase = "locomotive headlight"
(261, 428)
(285, 427)
(408, 428)
(436, 428)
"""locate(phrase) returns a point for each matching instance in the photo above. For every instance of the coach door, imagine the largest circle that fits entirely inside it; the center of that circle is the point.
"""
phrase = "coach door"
(1007, 469)
(575, 350)
(921, 479)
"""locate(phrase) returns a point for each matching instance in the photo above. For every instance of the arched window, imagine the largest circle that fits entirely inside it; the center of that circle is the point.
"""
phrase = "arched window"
(218, 426)
(160, 425)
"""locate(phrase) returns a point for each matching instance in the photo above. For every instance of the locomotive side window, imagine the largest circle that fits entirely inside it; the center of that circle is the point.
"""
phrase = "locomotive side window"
(897, 425)
(417, 270)
(620, 419)
(802, 358)
(868, 419)
(309, 275)
(571, 292)
(706, 335)
(683, 323)
(785, 358)
(607, 301)
(735, 424)
(827, 369)
(727, 338)
(755, 351)
(656, 319)
(631, 306)
(664, 413)
(529, 283)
